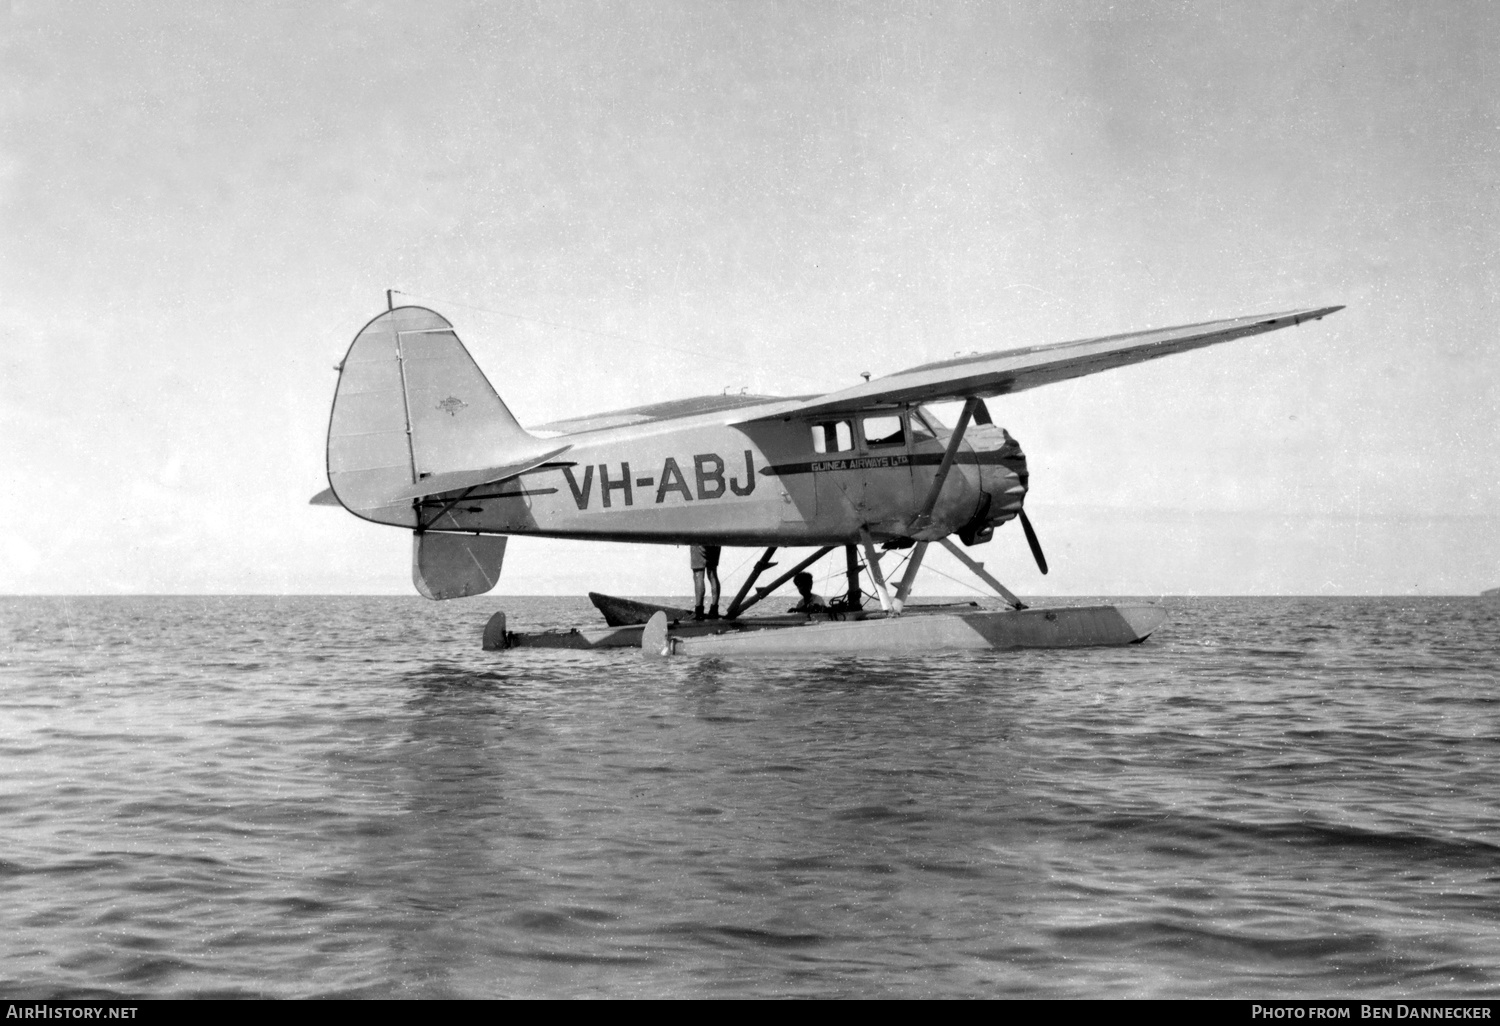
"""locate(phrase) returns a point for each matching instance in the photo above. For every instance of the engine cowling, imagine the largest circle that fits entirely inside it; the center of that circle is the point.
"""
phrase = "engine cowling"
(1003, 481)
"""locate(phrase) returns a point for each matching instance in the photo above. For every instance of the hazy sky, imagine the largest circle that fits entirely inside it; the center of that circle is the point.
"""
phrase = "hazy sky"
(200, 204)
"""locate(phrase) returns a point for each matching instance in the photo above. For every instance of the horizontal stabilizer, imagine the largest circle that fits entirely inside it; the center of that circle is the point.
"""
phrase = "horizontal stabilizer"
(436, 484)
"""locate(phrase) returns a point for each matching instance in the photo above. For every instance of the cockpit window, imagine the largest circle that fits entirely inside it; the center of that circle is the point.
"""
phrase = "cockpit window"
(884, 431)
(833, 436)
(921, 430)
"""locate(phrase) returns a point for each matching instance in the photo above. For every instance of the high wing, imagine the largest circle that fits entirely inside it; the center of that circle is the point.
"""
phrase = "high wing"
(658, 412)
(992, 374)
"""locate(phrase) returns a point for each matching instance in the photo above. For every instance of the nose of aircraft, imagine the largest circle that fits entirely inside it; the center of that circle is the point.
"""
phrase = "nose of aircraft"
(1003, 473)
(1002, 478)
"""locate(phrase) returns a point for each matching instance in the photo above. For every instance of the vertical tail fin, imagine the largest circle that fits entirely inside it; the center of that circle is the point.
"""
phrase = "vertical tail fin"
(412, 405)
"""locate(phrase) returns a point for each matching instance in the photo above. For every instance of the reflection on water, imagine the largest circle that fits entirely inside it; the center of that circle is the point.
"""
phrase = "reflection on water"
(332, 796)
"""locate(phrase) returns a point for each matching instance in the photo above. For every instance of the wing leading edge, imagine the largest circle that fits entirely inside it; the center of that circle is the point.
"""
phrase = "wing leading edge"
(993, 374)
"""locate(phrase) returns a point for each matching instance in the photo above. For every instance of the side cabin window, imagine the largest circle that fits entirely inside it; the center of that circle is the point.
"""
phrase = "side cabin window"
(883, 431)
(833, 436)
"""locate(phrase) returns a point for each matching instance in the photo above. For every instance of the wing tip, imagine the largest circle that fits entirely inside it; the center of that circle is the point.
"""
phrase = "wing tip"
(1321, 312)
(1302, 316)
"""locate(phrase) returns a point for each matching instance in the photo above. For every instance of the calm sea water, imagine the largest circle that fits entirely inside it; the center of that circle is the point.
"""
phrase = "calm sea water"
(346, 796)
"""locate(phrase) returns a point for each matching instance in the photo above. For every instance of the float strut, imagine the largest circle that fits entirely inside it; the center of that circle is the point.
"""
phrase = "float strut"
(873, 562)
(910, 577)
(760, 568)
(851, 562)
(979, 571)
(761, 593)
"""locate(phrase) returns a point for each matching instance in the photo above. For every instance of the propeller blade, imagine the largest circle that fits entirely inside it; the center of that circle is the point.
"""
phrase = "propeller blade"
(1036, 546)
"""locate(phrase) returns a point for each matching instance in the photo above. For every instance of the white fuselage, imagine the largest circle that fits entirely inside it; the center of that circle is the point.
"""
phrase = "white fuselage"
(765, 483)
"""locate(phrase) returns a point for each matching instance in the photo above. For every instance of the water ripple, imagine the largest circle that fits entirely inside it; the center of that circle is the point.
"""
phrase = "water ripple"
(300, 797)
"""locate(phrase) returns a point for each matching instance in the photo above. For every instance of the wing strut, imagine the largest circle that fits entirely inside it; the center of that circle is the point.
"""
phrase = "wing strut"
(924, 515)
(979, 571)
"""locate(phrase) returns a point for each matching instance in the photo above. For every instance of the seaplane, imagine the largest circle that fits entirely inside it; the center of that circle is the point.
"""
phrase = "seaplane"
(418, 439)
